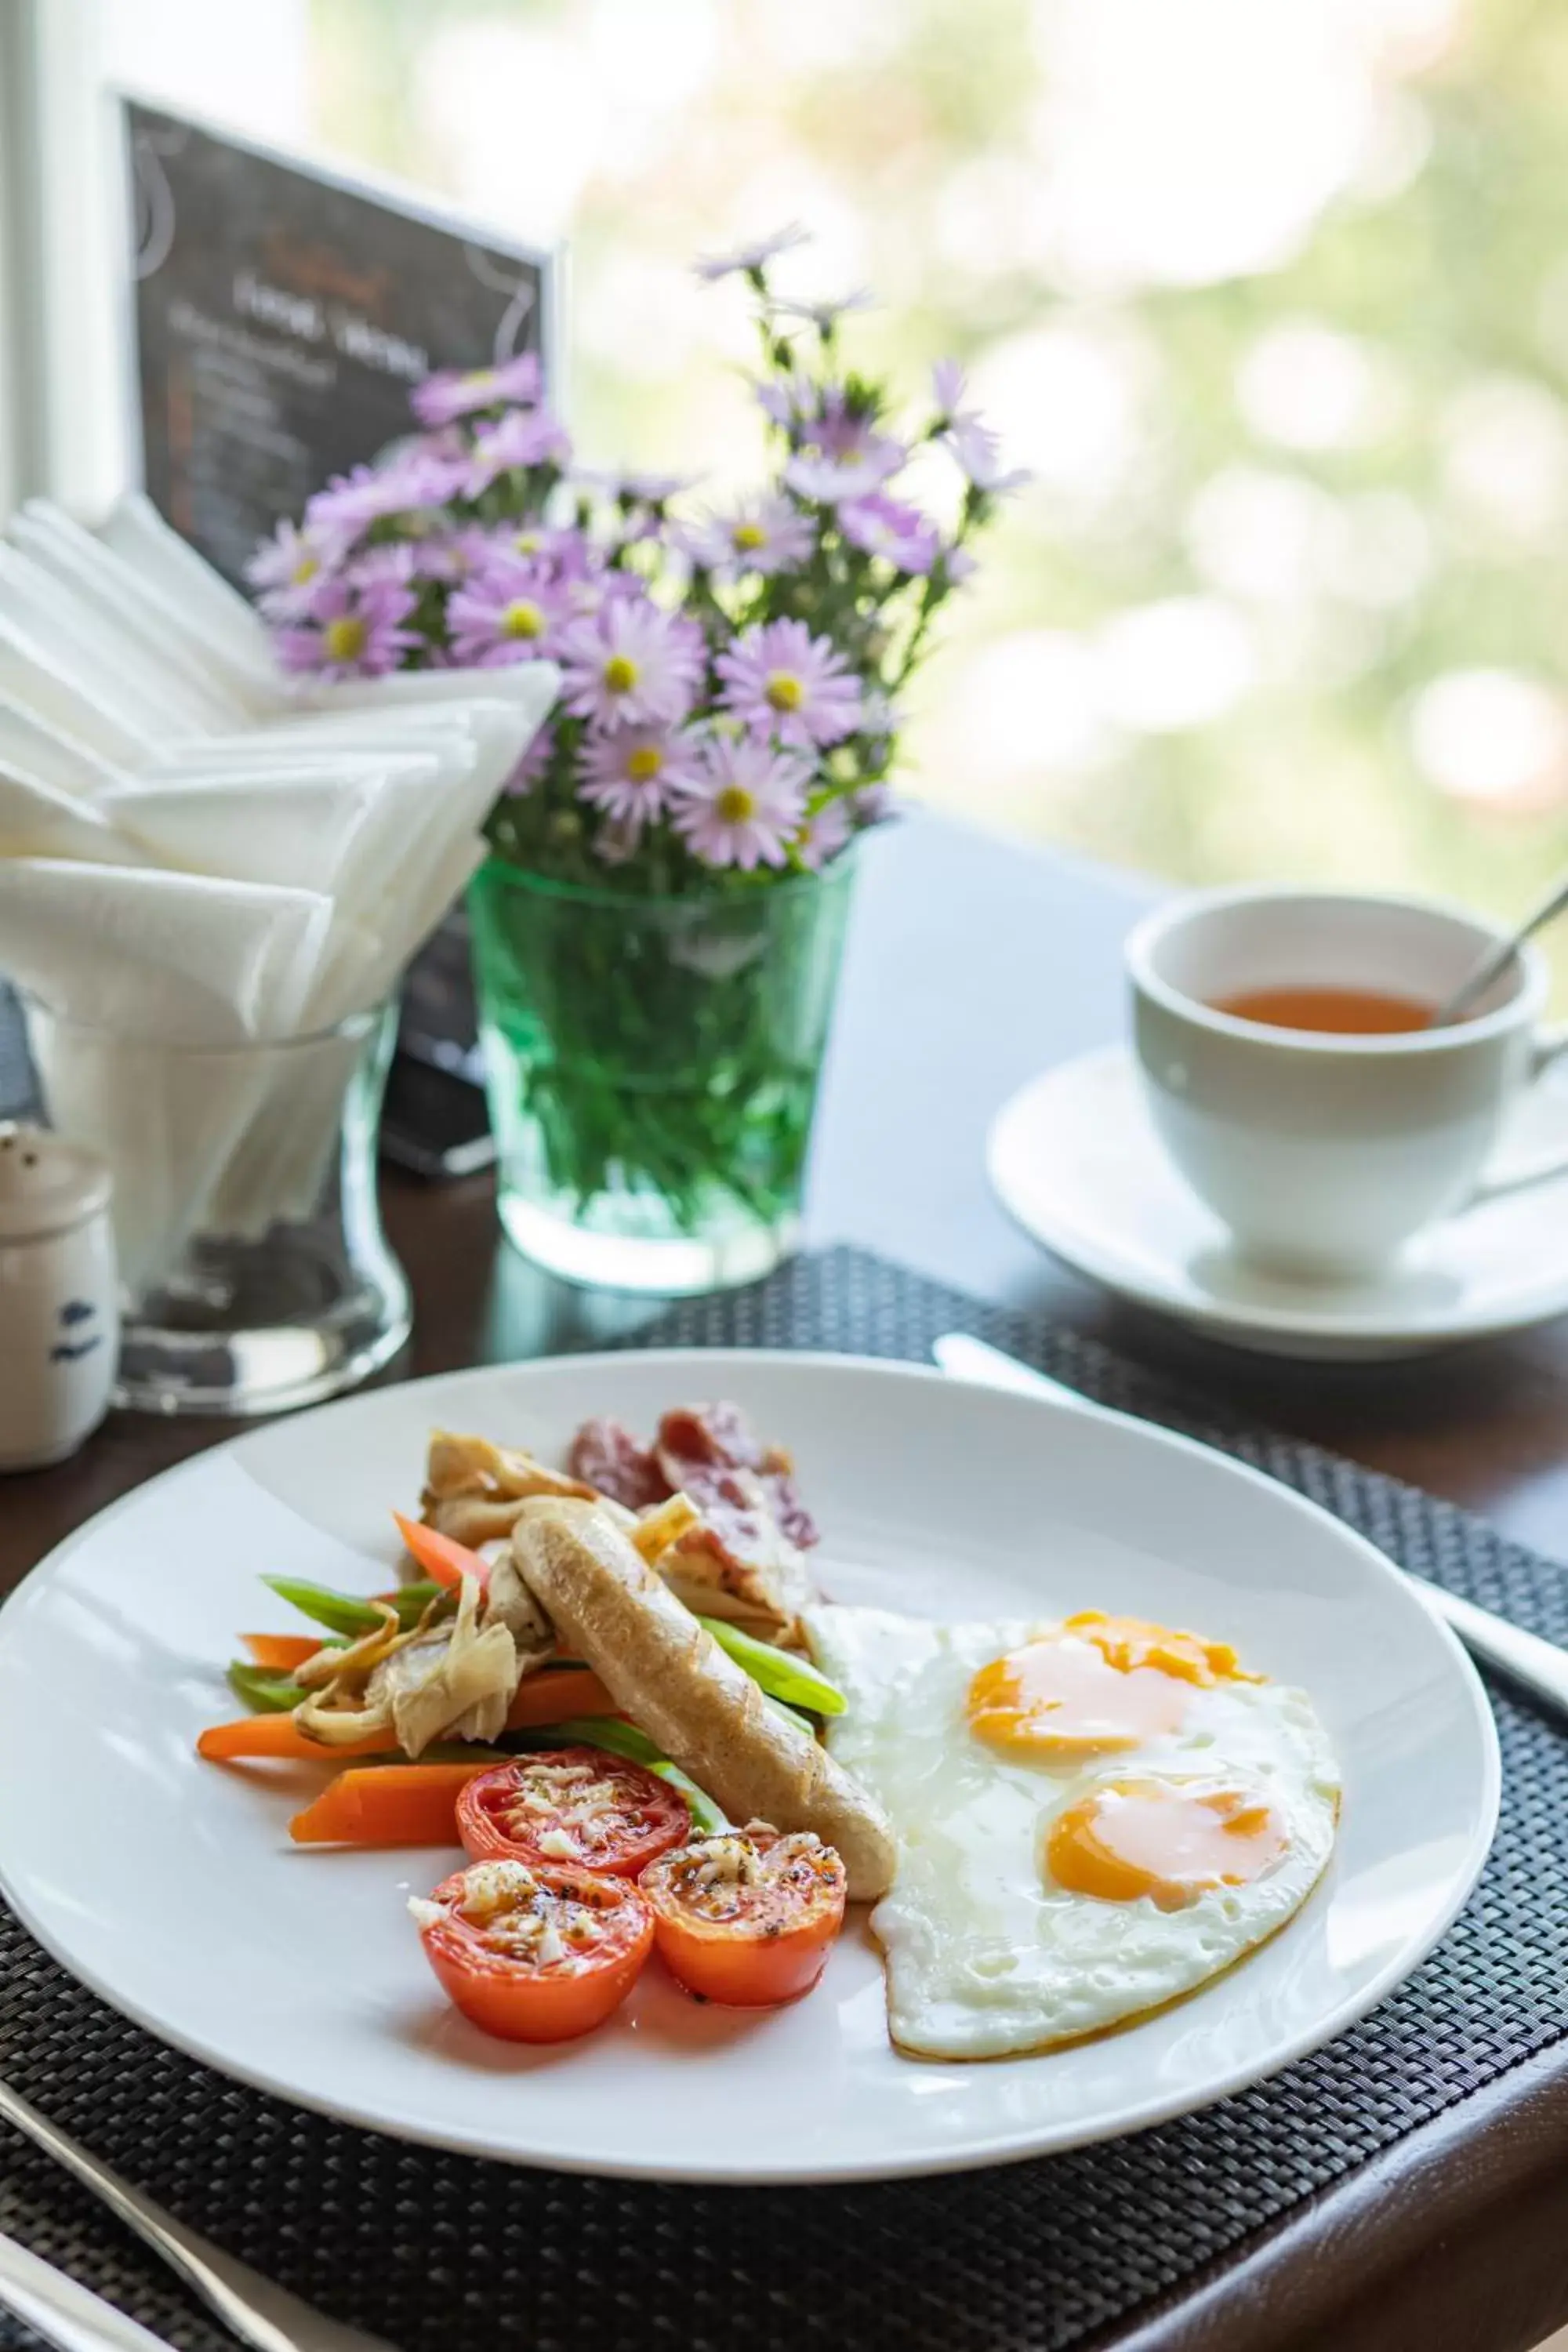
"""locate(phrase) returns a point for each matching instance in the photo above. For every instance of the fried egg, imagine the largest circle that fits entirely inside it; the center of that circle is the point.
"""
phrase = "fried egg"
(1093, 1816)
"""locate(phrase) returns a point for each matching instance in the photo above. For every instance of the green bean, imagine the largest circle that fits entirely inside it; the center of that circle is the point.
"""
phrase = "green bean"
(779, 1672)
(264, 1692)
(344, 1613)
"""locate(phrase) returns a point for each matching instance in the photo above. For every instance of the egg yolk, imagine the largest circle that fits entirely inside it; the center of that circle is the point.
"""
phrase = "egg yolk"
(1094, 1685)
(1172, 1839)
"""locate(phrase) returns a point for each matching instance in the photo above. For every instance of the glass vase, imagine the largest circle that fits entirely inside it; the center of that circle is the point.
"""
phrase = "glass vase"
(254, 1273)
(652, 1068)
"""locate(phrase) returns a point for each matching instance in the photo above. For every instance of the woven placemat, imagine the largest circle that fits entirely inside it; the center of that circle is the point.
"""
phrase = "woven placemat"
(427, 2248)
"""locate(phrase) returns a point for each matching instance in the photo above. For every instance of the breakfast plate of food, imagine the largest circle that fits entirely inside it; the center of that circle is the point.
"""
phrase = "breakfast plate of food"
(734, 1766)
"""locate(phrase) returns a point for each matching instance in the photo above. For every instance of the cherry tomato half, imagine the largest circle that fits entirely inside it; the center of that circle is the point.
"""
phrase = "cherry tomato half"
(534, 1954)
(575, 1806)
(748, 1917)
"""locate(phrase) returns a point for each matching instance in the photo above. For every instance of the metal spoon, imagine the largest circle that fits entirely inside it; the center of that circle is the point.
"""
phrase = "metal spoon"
(1497, 960)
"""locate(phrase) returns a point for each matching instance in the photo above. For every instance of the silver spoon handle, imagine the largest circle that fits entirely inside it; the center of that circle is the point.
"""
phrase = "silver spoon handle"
(262, 2314)
(1502, 956)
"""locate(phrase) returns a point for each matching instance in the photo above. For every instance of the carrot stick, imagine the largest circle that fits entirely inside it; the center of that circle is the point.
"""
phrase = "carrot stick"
(279, 1735)
(554, 1692)
(387, 1804)
(444, 1561)
(281, 1652)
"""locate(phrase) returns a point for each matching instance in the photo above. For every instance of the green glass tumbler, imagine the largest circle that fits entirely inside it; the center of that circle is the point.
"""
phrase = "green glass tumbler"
(652, 1069)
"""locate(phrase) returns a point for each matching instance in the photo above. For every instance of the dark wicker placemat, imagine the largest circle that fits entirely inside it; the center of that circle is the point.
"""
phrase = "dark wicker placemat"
(428, 2249)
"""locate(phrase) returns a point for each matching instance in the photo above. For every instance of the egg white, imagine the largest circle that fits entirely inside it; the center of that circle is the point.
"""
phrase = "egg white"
(986, 1956)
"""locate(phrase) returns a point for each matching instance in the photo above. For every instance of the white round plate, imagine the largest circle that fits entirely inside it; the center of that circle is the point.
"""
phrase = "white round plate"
(170, 1888)
(1075, 1160)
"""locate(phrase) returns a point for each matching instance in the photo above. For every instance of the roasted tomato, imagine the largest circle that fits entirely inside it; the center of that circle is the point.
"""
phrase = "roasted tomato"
(574, 1806)
(534, 1954)
(748, 1917)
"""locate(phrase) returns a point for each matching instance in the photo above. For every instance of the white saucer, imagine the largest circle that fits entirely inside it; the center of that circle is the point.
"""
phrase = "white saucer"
(1075, 1160)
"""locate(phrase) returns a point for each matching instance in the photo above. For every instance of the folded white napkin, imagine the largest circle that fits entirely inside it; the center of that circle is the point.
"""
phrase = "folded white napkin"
(199, 855)
(38, 820)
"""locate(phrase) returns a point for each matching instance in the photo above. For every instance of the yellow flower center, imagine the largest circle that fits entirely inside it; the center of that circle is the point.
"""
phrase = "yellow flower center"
(528, 543)
(644, 764)
(735, 804)
(344, 638)
(305, 568)
(750, 534)
(785, 690)
(522, 619)
(620, 675)
(481, 380)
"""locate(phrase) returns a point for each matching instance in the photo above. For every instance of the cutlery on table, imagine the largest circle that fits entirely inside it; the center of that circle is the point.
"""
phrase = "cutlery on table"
(63, 2312)
(1537, 1665)
(262, 2314)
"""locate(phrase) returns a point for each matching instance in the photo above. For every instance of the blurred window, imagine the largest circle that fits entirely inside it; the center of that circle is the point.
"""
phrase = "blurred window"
(1272, 296)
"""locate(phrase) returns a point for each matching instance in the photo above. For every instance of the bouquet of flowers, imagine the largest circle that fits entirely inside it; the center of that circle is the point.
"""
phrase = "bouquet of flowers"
(731, 682)
(726, 725)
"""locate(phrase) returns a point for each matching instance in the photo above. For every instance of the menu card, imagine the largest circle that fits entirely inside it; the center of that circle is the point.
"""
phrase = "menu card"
(281, 313)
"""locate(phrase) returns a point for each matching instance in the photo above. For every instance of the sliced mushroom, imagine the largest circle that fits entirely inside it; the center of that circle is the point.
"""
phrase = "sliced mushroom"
(456, 1680)
(331, 1665)
(472, 1488)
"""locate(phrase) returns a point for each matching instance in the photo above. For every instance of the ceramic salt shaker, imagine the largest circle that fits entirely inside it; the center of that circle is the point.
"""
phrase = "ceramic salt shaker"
(59, 1316)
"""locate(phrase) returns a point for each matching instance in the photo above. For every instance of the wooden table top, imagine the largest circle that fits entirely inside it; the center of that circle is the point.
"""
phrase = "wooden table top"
(974, 963)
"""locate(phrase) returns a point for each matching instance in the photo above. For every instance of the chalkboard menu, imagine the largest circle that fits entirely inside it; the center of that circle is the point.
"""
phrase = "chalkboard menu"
(281, 315)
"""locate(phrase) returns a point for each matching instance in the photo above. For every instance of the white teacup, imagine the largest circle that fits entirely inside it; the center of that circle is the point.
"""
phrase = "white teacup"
(1324, 1153)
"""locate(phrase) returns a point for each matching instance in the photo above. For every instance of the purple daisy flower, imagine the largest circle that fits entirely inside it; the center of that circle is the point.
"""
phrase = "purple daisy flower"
(524, 438)
(351, 502)
(783, 681)
(630, 665)
(750, 258)
(766, 535)
(396, 560)
(590, 591)
(839, 429)
(354, 631)
(510, 611)
(453, 555)
(900, 534)
(453, 393)
(629, 776)
(822, 836)
(288, 569)
(745, 806)
(565, 549)
(825, 481)
(979, 453)
(787, 400)
(825, 315)
(947, 382)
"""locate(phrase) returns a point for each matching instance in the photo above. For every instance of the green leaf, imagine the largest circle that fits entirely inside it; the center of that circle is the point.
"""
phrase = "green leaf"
(780, 1673)
(264, 1692)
